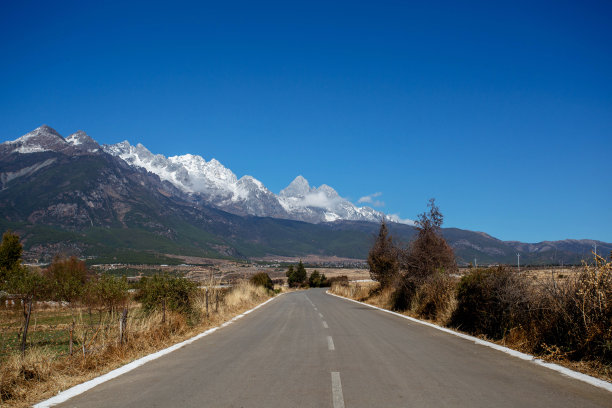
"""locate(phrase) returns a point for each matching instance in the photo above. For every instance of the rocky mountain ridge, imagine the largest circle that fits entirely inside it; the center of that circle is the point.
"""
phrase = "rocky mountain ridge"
(71, 196)
(212, 183)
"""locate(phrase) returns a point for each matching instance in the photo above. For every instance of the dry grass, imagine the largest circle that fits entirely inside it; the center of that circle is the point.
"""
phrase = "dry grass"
(42, 372)
(594, 293)
(354, 290)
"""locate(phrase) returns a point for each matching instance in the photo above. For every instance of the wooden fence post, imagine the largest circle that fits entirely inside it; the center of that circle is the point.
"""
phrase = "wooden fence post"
(164, 310)
(71, 334)
(122, 325)
(207, 303)
(27, 323)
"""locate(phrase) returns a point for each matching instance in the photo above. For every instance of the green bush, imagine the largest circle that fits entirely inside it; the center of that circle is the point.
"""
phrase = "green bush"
(262, 279)
(166, 292)
(107, 292)
(317, 280)
(296, 277)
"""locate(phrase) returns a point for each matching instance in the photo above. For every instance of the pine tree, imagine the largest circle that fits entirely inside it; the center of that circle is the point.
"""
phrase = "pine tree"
(296, 276)
(383, 258)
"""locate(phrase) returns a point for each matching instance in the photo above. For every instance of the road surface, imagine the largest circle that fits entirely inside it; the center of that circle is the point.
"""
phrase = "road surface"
(310, 349)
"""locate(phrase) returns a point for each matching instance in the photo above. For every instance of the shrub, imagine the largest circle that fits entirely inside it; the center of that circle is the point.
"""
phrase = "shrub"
(317, 280)
(575, 316)
(107, 292)
(338, 280)
(296, 277)
(434, 297)
(10, 255)
(262, 279)
(161, 292)
(66, 279)
(492, 301)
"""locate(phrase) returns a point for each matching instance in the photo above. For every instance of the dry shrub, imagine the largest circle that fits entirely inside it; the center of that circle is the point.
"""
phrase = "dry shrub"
(435, 298)
(575, 316)
(42, 373)
(353, 290)
(17, 372)
(492, 302)
(244, 294)
(382, 297)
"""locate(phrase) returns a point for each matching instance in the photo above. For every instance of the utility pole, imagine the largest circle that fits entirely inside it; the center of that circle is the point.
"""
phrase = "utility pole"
(518, 261)
(475, 264)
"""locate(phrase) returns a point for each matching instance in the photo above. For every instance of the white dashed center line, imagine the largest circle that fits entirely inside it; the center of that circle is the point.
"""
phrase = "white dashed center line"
(330, 343)
(325, 324)
(337, 398)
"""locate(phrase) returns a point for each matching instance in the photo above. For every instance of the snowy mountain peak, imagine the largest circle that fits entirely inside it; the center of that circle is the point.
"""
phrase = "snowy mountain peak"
(209, 182)
(299, 187)
(42, 133)
(41, 139)
(328, 191)
(83, 141)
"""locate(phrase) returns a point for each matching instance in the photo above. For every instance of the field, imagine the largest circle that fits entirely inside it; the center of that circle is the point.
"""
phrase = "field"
(98, 346)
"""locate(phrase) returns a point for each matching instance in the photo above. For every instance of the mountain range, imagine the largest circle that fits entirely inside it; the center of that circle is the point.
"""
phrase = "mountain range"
(123, 203)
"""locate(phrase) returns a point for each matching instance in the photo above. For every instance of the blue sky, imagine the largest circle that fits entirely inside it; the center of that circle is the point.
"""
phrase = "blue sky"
(501, 111)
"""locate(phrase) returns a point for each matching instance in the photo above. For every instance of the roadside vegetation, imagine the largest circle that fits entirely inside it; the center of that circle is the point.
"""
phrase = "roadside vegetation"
(565, 320)
(63, 325)
(297, 277)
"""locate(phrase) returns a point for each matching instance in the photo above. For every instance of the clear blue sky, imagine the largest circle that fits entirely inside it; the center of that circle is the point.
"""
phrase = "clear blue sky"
(502, 111)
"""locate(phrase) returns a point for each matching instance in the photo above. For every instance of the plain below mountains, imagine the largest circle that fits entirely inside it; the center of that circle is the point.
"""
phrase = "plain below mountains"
(121, 203)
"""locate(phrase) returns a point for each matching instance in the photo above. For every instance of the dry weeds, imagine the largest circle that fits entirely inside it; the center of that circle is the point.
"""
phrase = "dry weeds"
(517, 338)
(41, 373)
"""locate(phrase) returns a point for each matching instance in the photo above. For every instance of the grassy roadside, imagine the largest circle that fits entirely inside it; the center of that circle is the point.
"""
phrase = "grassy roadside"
(371, 293)
(47, 369)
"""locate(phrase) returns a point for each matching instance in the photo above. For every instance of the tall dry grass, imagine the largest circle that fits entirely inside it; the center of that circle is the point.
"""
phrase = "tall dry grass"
(355, 290)
(41, 373)
(567, 320)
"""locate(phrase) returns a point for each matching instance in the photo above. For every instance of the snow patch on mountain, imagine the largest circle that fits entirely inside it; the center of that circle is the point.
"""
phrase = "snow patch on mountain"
(46, 139)
(215, 184)
(206, 180)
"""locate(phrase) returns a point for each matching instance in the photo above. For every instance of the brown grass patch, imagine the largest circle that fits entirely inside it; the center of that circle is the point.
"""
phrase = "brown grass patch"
(43, 371)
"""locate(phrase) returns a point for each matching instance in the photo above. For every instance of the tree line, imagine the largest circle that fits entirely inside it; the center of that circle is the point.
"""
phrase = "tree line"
(67, 280)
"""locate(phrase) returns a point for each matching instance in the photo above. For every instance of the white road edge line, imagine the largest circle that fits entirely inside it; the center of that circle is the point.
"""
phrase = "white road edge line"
(523, 356)
(325, 324)
(330, 343)
(337, 398)
(86, 386)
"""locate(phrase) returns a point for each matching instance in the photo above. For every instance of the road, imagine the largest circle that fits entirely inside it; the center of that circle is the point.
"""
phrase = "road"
(310, 349)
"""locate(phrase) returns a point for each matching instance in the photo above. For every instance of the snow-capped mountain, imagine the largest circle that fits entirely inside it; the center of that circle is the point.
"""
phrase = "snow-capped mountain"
(322, 204)
(131, 204)
(215, 184)
(46, 139)
(206, 182)
(210, 182)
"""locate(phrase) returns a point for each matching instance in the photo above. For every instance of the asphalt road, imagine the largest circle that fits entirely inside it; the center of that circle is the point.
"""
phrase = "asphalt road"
(309, 349)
